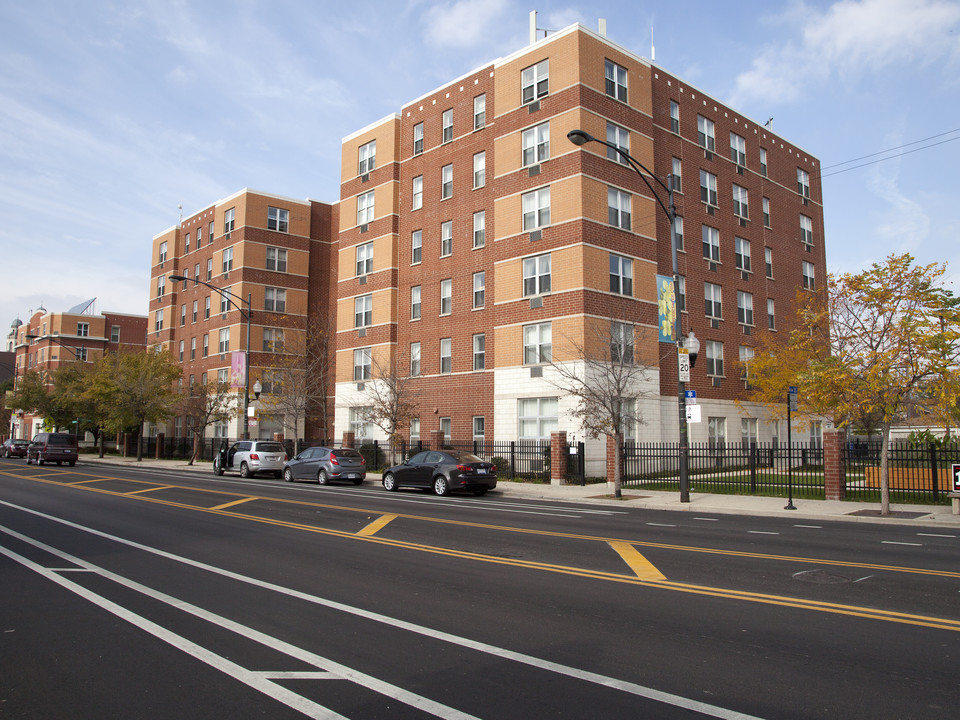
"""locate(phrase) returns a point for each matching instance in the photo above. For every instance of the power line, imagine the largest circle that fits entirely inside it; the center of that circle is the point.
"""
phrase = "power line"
(882, 152)
(892, 157)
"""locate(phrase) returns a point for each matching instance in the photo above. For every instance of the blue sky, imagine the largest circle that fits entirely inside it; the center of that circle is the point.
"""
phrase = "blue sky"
(114, 113)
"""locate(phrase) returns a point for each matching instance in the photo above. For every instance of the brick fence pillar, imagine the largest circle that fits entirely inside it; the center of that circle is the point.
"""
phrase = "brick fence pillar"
(349, 437)
(558, 458)
(437, 439)
(158, 451)
(834, 471)
(612, 459)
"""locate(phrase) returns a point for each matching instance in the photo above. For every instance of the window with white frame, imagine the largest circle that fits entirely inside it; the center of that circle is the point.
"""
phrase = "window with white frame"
(618, 208)
(363, 311)
(816, 434)
(705, 133)
(161, 285)
(273, 340)
(535, 144)
(479, 428)
(714, 358)
(180, 356)
(615, 80)
(206, 308)
(277, 259)
(479, 229)
(368, 157)
(479, 111)
(766, 212)
(744, 307)
(678, 232)
(158, 320)
(681, 293)
(806, 230)
(446, 182)
(414, 359)
(621, 275)
(534, 81)
(763, 162)
(742, 253)
(537, 418)
(416, 244)
(536, 209)
(446, 356)
(446, 296)
(446, 238)
(537, 343)
(209, 268)
(677, 172)
(278, 219)
(163, 252)
(479, 289)
(771, 320)
(479, 351)
(221, 429)
(738, 149)
(621, 343)
(415, 301)
(748, 431)
(741, 202)
(229, 218)
(275, 299)
(115, 331)
(365, 259)
(183, 315)
(227, 264)
(414, 431)
(447, 122)
(619, 137)
(746, 355)
(809, 283)
(360, 423)
(711, 243)
(536, 275)
(674, 116)
(206, 345)
(708, 188)
(365, 207)
(712, 295)
(418, 138)
(479, 170)
(224, 341)
(223, 376)
(362, 364)
(803, 182)
(196, 274)
(445, 425)
(418, 192)
(768, 261)
(83, 329)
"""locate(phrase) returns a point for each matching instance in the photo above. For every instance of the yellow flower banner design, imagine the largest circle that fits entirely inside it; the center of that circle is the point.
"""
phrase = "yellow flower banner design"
(666, 309)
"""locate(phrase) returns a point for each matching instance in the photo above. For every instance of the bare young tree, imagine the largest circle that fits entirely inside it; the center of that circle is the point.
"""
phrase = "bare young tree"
(607, 377)
(390, 394)
(213, 403)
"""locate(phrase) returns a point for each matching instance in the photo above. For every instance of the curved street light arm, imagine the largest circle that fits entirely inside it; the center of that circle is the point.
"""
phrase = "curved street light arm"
(223, 292)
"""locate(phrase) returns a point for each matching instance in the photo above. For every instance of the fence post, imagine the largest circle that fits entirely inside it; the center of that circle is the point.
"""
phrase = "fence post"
(513, 458)
(834, 476)
(753, 466)
(934, 472)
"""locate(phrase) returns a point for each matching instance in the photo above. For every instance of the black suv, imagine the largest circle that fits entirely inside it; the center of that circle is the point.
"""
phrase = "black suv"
(53, 447)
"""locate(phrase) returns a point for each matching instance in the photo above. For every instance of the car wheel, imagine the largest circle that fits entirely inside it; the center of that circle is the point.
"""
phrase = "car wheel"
(217, 469)
(480, 491)
(322, 478)
(244, 470)
(389, 482)
(440, 486)
(288, 475)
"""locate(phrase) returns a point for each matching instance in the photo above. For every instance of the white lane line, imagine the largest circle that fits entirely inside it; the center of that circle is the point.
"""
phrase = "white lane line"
(761, 532)
(661, 524)
(251, 678)
(566, 670)
(894, 542)
(935, 535)
(707, 519)
(811, 527)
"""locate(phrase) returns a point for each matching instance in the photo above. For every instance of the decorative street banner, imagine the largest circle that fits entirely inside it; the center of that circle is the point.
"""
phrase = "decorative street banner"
(238, 368)
(666, 309)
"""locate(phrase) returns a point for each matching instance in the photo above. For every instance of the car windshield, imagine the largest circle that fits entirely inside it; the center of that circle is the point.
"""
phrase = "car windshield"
(269, 447)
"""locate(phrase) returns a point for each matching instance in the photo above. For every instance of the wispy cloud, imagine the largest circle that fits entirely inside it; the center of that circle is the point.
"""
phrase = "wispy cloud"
(464, 23)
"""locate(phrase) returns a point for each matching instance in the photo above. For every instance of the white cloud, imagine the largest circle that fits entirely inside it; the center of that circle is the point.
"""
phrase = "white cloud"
(849, 39)
(466, 23)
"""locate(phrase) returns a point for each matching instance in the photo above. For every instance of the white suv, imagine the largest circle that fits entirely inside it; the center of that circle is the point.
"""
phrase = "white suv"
(250, 457)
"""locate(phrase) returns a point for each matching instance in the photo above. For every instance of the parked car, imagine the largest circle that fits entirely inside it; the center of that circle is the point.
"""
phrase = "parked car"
(249, 457)
(325, 464)
(53, 447)
(14, 448)
(443, 471)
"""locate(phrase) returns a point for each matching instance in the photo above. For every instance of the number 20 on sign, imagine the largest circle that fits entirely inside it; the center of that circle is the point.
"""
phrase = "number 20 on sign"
(683, 356)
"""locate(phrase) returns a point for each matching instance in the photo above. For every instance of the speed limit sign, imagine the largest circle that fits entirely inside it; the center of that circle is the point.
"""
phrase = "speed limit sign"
(683, 355)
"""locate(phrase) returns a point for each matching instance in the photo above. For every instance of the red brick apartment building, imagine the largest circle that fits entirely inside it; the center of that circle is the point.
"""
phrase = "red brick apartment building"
(49, 339)
(272, 251)
(476, 242)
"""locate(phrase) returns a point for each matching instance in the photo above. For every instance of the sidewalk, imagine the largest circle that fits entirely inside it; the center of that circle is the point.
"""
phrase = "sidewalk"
(700, 503)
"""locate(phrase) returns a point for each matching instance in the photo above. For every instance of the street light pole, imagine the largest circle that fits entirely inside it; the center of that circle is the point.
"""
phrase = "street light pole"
(229, 297)
(580, 138)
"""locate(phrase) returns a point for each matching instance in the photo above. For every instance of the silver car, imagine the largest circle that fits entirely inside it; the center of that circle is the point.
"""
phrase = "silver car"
(325, 464)
(250, 457)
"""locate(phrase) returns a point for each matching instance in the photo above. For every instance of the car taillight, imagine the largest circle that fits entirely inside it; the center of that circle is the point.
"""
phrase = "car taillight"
(333, 460)
(464, 468)
(254, 456)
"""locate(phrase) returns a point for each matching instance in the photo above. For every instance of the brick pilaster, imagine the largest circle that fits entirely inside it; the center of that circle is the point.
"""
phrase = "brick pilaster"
(558, 458)
(437, 439)
(349, 437)
(834, 475)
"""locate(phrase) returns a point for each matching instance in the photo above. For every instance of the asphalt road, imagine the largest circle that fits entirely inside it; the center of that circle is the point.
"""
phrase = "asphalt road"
(128, 594)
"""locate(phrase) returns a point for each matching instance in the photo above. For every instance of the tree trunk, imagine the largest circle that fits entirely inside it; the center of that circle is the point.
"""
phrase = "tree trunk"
(196, 448)
(885, 469)
(140, 442)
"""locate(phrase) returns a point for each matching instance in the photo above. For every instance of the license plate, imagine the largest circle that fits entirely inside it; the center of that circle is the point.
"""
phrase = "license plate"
(481, 471)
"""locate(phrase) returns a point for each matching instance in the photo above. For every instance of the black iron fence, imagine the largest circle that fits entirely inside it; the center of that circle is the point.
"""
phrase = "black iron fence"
(916, 473)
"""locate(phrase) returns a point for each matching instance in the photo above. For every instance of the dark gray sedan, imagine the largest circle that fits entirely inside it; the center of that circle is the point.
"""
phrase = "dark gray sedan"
(443, 471)
(324, 464)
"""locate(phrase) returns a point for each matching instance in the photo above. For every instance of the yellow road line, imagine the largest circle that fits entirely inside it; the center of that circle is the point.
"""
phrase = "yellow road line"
(149, 489)
(374, 527)
(95, 480)
(643, 568)
(231, 504)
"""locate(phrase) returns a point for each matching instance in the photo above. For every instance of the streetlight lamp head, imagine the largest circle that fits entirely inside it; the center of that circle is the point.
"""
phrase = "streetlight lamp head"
(693, 347)
(177, 278)
(580, 137)
(257, 389)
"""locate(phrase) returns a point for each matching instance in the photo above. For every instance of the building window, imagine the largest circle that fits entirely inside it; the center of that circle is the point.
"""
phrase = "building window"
(446, 182)
(114, 333)
(621, 343)
(479, 111)
(446, 238)
(359, 423)
(537, 343)
(808, 279)
(766, 212)
(363, 311)
(414, 359)
(714, 358)
(180, 355)
(83, 329)
(678, 232)
(445, 424)
(618, 208)
(206, 308)
(161, 285)
(199, 236)
(768, 261)
(418, 138)
(677, 175)
(479, 170)
(414, 431)
(446, 297)
(193, 348)
(746, 355)
(158, 320)
(276, 259)
(415, 301)
(418, 192)
(223, 377)
(771, 324)
(717, 432)
(479, 289)
(738, 149)
(536, 209)
(816, 434)
(711, 243)
(615, 81)
(674, 117)
(705, 133)
(210, 233)
(621, 275)
(365, 207)
(224, 301)
(209, 269)
(803, 183)
(742, 249)
(227, 264)
(183, 315)
(479, 352)
(275, 299)
(278, 219)
(416, 243)
(368, 157)
(479, 429)
(196, 274)
(537, 419)
(681, 293)
(619, 137)
(365, 259)
(446, 356)
(744, 308)
(229, 218)
(535, 143)
(536, 275)
(806, 230)
(712, 295)
(708, 188)
(479, 229)
(163, 253)
(273, 340)
(763, 162)
(224, 344)
(535, 82)
(361, 364)
(206, 345)
(741, 202)
(447, 121)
